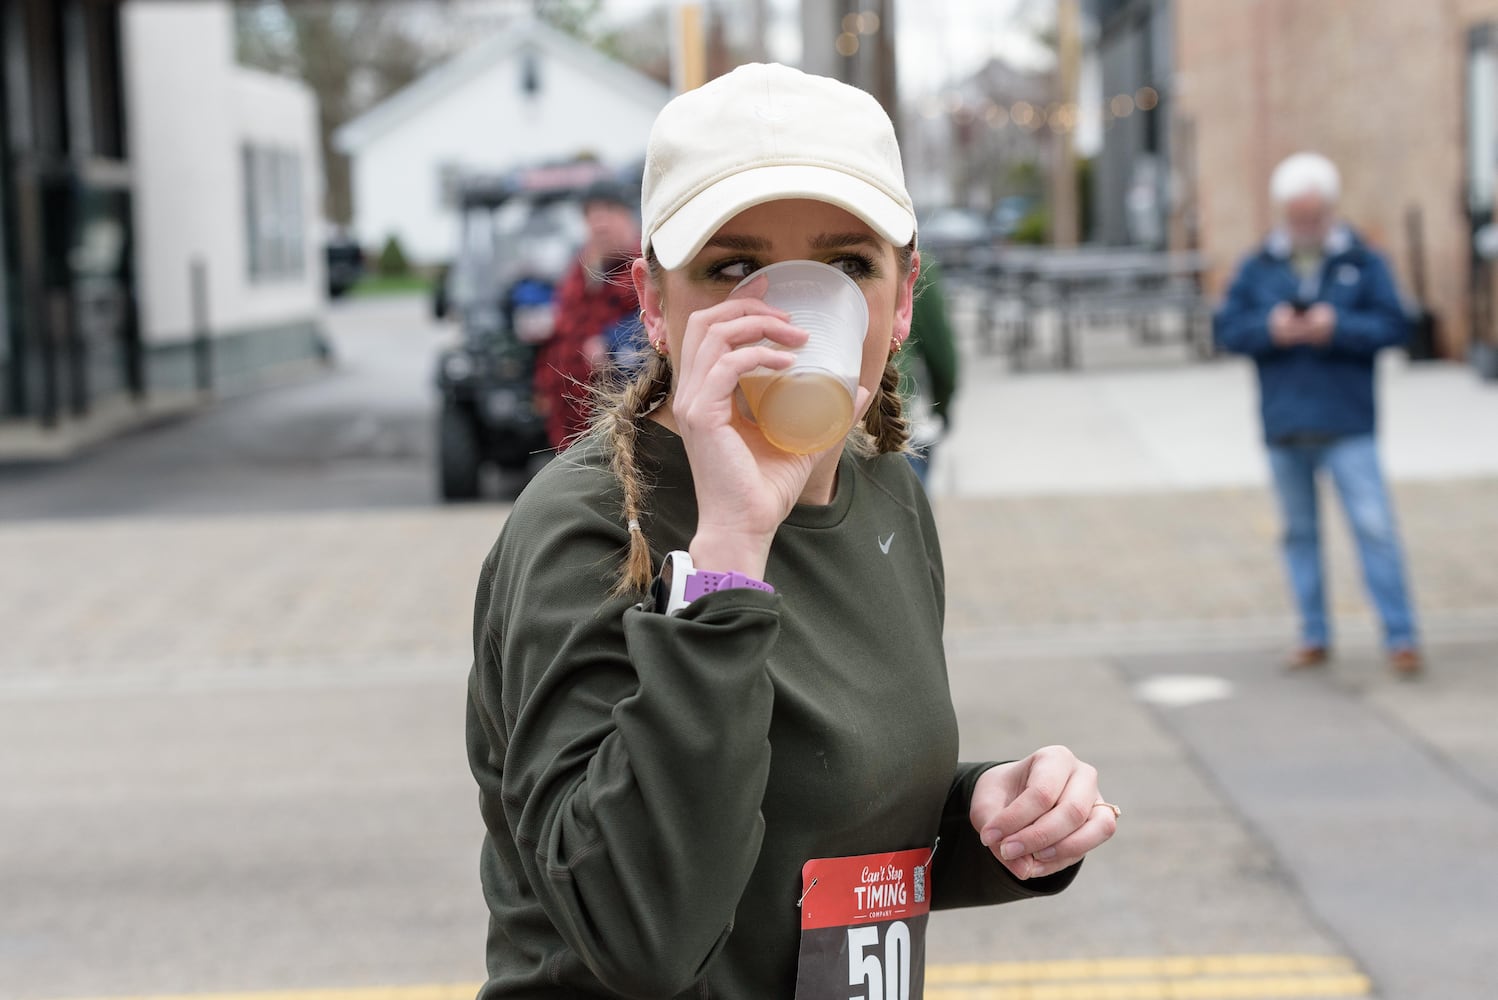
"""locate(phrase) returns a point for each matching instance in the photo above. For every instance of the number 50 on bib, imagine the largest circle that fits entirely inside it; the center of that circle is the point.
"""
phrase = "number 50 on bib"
(863, 927)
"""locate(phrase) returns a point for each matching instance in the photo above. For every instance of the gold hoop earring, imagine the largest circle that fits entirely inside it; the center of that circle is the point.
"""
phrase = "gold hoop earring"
(895, 348)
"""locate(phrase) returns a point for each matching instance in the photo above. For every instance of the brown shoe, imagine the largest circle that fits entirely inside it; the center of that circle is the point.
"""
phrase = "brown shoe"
(1406, 663)
(1307, 658)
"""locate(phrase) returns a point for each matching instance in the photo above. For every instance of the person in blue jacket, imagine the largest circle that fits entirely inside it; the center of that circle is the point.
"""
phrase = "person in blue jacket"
(1312, 307)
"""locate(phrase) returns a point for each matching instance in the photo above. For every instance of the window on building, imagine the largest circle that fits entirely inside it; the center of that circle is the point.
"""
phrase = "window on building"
(530, 73)
(251, 219)
(291, 195)
(275, 230)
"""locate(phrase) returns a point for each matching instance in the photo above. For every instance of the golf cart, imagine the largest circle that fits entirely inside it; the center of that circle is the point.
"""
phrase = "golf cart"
(517, 236)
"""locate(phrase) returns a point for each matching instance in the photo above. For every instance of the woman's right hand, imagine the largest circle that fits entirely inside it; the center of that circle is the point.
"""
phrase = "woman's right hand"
(745, 485)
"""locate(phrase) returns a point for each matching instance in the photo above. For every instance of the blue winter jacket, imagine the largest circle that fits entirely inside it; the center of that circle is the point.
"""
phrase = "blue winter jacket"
(1324, 391)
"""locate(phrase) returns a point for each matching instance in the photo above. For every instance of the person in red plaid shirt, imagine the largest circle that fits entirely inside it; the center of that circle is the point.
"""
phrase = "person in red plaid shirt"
(595, 294)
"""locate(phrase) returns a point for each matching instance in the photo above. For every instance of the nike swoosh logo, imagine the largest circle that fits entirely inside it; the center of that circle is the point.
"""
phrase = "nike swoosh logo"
(884, 543)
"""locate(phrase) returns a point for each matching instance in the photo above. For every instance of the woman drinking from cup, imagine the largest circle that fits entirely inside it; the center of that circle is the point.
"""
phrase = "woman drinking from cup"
(709, 713)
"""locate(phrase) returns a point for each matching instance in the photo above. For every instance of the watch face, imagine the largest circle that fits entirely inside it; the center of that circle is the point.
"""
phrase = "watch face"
(660, 590)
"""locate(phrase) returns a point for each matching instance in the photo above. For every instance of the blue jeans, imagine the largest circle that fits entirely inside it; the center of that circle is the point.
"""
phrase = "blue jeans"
(1353, 464)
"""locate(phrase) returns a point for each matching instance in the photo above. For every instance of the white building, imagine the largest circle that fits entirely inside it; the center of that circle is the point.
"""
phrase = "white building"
(527, 96)
(228, 184)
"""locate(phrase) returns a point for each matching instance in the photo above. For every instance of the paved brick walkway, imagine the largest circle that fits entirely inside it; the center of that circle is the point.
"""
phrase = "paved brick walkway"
(143, 594)
(377, 590)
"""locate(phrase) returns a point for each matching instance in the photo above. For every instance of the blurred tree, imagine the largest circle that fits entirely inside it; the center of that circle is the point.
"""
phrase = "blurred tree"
(392, 262)
(578, 18)
(1034, 228)
(642, 41)
(351, 54)
(1036, 20)
(1024, 177)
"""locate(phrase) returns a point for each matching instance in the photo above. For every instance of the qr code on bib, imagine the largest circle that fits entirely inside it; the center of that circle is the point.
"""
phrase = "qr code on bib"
(920, 883)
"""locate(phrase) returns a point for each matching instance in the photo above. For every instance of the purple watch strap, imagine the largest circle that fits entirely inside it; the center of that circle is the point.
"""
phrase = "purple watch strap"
(706, 582)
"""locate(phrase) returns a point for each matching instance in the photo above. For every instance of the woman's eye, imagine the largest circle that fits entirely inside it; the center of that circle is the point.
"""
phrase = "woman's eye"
(733, 270)
(854, 266)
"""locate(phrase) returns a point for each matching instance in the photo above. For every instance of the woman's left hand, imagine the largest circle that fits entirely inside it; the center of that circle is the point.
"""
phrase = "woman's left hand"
(1041, 814)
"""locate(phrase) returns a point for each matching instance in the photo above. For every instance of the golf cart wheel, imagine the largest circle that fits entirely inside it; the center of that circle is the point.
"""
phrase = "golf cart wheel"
(458, 455)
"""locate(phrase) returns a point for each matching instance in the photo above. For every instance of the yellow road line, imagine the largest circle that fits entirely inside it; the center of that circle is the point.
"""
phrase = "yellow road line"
(1251, 988)
(425, 991)
(1184, 977)
(1157, 967)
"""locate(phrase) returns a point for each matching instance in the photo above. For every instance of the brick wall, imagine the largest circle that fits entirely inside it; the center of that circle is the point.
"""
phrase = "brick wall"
(1377, 85)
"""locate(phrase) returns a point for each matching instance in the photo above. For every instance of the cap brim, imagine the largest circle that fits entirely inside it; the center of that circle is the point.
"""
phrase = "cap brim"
(679, 238)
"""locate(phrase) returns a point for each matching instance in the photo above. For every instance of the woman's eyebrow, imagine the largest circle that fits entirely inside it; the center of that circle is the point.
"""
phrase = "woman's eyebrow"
(747, 243)
(839, 241)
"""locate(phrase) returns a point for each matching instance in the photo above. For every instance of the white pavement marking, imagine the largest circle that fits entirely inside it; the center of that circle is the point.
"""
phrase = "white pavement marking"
(1181, 690)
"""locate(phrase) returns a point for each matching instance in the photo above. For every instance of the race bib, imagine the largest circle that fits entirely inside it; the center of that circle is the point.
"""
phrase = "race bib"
(863, 927)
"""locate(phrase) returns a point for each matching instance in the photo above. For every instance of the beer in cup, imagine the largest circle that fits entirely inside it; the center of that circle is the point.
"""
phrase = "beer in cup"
(808, 407)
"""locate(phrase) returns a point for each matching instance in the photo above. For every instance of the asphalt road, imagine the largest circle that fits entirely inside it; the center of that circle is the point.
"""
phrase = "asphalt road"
(282, 803)
(360, 435)
(312, 826)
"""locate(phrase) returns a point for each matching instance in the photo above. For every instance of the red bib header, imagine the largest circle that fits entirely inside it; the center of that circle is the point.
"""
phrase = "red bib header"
(871, 888)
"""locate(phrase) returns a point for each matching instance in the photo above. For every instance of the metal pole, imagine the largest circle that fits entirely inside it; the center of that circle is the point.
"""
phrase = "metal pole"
(202, 345)
(10, 353)
(38, 295)
(65, 306)
(130, 332)
(1064, 165)
(135, 361)
(886, 81)
(759, 30)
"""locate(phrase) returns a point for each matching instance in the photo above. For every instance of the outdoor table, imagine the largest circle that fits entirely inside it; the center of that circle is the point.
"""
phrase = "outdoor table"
(1085, 282)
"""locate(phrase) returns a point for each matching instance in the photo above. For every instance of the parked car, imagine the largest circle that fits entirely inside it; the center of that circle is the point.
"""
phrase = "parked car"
(958, 237)
(518, 234)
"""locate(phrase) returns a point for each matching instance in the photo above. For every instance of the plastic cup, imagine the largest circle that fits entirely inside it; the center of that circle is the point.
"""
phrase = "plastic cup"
(808, 407)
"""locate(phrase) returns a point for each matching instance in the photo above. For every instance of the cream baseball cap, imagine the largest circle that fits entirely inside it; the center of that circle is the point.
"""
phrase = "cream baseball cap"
(762, 133)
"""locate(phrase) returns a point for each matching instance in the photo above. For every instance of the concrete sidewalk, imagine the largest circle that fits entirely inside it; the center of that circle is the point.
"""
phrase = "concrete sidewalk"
(1186, 427)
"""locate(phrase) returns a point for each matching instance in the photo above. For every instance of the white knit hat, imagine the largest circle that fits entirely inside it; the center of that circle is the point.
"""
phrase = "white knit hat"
(767, 132)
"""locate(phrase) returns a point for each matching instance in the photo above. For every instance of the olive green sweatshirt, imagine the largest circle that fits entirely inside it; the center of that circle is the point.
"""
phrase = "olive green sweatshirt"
(652, 785)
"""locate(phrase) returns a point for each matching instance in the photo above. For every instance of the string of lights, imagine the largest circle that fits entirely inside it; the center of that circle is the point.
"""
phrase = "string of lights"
(1057, 117)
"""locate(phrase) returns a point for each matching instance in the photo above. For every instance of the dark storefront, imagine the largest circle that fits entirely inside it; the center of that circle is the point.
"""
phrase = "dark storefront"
(1132, 176)
(68, 334)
